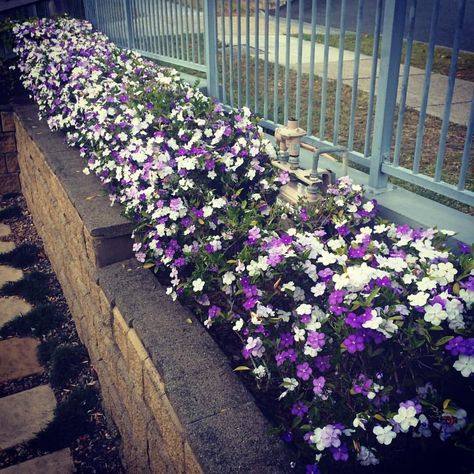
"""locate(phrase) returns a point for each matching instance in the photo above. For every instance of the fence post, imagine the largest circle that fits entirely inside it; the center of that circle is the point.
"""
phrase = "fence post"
(391, 53)
(127, 7)
(210, 45)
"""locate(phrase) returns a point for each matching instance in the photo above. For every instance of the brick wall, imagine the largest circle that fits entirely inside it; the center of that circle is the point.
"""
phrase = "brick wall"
(9, 171)
(165, 383)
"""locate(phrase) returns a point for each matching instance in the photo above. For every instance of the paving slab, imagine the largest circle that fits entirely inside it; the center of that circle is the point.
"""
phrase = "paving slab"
(18, 358)
(6, 246)
(8, 274)
(59, 462)
(5, 230)
(24, 414)
(11, 307)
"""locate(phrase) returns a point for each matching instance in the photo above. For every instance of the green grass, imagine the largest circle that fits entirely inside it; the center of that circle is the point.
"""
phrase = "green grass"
(10, 212)
(21, 256)
(66, 363)
(441, 60)
(38, 321)
(71, 420)
(34, 288)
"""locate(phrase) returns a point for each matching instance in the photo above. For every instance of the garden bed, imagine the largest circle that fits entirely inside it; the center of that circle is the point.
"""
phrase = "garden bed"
(354, 323)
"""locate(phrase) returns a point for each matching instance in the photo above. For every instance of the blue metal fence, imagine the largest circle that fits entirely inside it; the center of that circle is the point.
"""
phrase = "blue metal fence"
(262, 54)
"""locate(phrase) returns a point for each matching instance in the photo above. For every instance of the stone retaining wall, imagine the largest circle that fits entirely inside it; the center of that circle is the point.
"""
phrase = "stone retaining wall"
(165, 383)
(9, 181)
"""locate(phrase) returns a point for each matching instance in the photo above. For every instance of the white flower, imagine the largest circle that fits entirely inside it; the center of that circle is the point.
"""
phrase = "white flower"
(406, 417)
(238, 325)
(259, 372)
(465, 365)
(374, 322)
(366, 457)
(359, 422)
(255, 346)
(228, 278)
(299, 334)
(418, 299)
(304, 309)
(467, 296)
(198, 285)
(290, 384)
(384, 435)
(426, 284)
(434, 314)
(318, 289)
(290, 286)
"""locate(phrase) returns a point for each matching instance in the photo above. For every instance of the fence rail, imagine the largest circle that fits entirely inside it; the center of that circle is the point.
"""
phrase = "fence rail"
(359, 89)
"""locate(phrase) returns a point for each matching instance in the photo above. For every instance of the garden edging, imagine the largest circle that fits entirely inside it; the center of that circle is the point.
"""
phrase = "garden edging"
(165, 383)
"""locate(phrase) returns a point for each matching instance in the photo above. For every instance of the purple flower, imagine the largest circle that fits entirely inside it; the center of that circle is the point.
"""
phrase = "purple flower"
(318, 385)
(354, 343)
(214, 311)
(340, 453)
(304, 371)
(299, 408)
(316, 339)
(312, 469)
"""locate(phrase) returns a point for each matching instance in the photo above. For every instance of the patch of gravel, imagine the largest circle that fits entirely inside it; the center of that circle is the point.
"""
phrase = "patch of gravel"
(98, 450)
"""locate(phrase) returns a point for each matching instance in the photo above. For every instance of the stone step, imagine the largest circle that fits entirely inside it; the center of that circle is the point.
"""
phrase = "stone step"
(59, 462)
(18, 358)
(8, 274)
(5, 230)
(11, 307)
(24, 414)
(6, 247)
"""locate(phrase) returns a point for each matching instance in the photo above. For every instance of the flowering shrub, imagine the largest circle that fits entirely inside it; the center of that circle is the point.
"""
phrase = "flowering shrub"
(355, 324)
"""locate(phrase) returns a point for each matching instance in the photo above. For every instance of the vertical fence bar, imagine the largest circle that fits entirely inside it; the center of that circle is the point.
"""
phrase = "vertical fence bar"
(231, 53)
(175, 24)
(426, 88)
(287, 61)
(169, 28)
(164, 29)
(210, 46)
(187, 30)
(322, 117)
(199, 47)
(224, 72)
(373, 76)
(276, 65)
(340, 66)
(309, 122)
(181, 24)
(149, 30)
(193, 50)
(265, 66)
(157, 30)
(355, 79)
(406, 76)
(247, 54)
(449, 92)
(393, 28)
(467, 149)
(239, 53)
(300, 60)
(257, 56)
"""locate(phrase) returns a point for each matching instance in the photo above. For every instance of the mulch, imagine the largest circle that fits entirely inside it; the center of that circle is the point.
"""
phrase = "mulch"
(98, 450)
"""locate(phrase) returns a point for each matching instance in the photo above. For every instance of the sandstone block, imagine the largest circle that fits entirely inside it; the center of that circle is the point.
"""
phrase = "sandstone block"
(24, 414)
(8, 124)
(7, 143)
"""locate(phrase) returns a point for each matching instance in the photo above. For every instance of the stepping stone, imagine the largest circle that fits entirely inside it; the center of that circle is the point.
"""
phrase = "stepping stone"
(24, 414)
(18, 358)
(6, 247)
(5, 230)
(11, 307)
(8, 274)
(59, 462)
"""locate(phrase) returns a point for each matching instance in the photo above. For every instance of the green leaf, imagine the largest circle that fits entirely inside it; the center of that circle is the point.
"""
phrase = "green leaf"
(241, 368)
(149, 265)
(443, 340)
